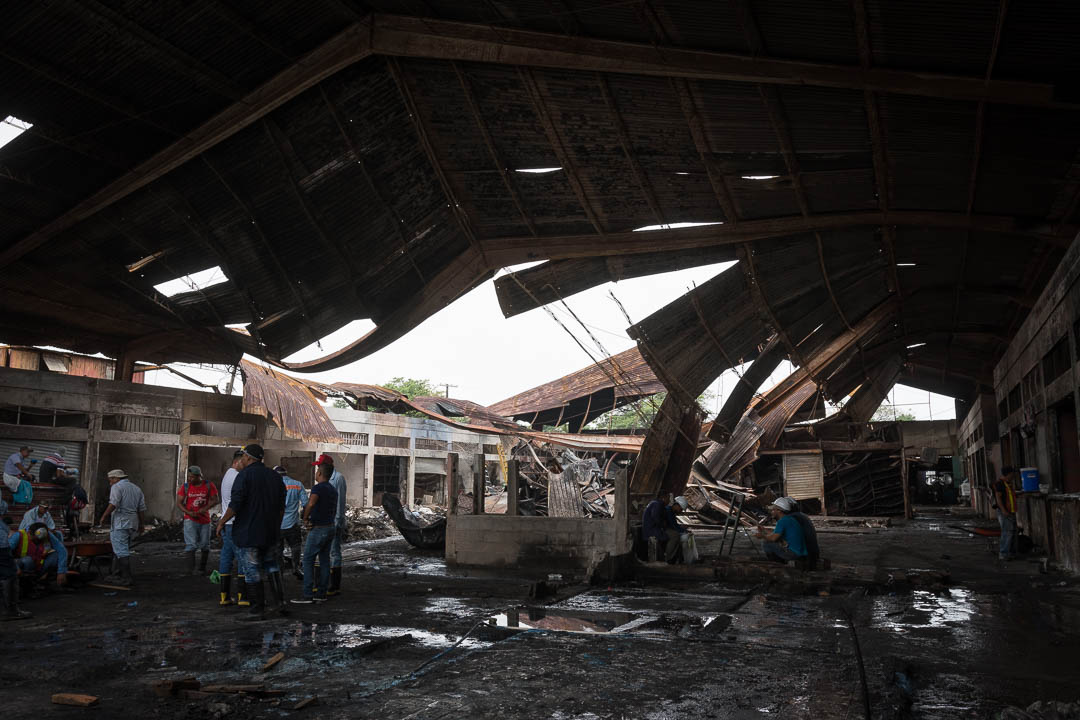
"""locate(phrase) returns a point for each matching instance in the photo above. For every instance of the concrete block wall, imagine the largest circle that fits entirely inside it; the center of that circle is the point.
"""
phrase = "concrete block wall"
(526, 542)
(152, 467)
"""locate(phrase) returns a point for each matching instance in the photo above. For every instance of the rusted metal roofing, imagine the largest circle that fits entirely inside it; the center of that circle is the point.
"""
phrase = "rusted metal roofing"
(341, 164)
(583, 395)
(292, 404)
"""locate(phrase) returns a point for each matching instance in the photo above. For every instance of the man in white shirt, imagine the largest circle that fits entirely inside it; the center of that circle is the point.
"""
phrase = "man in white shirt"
(228, 550)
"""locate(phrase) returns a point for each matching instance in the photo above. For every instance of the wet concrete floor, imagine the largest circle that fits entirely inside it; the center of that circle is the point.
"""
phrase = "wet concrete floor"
(391, 646)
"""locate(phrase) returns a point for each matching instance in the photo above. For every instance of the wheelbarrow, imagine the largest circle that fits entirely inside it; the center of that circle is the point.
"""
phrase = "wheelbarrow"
(89, 553)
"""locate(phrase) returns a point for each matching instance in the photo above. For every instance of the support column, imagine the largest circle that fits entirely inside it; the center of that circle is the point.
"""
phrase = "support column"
(369, 477)
(451, 483)
(410, 477)
(622, 514)
(89, 472)
(478, 484)
(512, 487)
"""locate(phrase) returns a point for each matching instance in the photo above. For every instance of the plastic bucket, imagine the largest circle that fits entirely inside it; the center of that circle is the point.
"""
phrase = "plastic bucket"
(1029, 479)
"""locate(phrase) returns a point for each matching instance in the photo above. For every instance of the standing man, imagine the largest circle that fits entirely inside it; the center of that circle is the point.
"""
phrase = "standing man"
(319, 513)
(196, 498)
(296, 497)
(337, 480)
(258, 504)
(126, 506)
(1005, 502)
(228, 549)
(17, 468)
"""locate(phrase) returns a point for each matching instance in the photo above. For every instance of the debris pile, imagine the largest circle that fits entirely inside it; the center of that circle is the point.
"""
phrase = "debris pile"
(557, 482)
(368, 523)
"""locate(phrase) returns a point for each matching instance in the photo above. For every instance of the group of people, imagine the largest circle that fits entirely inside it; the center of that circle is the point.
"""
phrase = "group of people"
(262, 509)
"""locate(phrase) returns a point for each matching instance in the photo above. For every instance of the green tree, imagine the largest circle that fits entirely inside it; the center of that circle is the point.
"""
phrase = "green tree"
(340, 403)
(889, 413)
(411, 387)
(638, 414)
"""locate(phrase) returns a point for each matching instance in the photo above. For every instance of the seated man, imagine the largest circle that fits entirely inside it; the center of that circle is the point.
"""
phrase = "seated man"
(786, 542)
(813, 550)
(686, 538)
(39, 514)
(38, 554)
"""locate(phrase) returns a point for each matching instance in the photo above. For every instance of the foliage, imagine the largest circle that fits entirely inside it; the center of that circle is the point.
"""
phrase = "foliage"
(339, 403)
(411, 387)
(639, 414)
(889, 413)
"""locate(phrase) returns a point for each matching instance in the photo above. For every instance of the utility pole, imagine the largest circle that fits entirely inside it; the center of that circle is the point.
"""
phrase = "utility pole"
(446, 390)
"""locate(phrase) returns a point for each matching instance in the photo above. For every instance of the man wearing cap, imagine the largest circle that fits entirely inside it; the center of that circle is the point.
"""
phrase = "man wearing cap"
(17, 468)
(258, 504)
(337, 481)
(296, 497)
(786, 543)
(125, 510)
(38, 554)
(39, 514)
(196, 498)
(228, 548)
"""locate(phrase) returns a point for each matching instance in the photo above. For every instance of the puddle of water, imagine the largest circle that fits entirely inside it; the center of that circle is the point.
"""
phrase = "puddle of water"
(927, 609)
(587, 622)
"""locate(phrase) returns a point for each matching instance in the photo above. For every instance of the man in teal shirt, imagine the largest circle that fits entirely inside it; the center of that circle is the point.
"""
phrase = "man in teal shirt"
(787, 542)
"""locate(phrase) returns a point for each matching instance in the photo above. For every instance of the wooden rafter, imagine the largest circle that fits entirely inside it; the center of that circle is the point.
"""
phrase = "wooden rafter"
(628, 150)
(376, 189)
(758, 294)
(489, 143)
(456, 210)
(344, 49)
(688, 103)
(268, 247)
(566, 160)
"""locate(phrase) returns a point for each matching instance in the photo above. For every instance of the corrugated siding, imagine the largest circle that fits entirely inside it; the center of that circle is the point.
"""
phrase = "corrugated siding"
(804, 476)
(23, 359)
(430, 466)
(72, 452)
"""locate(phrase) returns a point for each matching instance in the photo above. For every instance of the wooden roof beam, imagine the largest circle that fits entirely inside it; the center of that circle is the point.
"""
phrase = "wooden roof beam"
(448, 40)
(688, 103)
(512, 251)
(628, 150)
(347, 47)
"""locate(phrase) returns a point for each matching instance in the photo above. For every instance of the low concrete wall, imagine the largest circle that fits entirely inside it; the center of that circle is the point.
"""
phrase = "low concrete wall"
(528, 542)
(1033, 512)
(1065, 518)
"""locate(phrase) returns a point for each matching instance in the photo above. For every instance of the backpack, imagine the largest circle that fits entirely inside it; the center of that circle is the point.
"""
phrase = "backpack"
(25, 494)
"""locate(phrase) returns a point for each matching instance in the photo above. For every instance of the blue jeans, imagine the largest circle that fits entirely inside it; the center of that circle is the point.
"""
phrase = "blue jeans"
(784, 553)
(228, 552)
(1007, 548)
(254, 560)
(335, 546)
(121, 541)
(28, 567)
(319, 541)
(196, 536)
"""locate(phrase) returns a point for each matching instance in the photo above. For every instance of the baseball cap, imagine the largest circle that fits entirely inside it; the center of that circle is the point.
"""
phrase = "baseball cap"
(253, 450)
(324, 459)
(195, 470)
(280, 470)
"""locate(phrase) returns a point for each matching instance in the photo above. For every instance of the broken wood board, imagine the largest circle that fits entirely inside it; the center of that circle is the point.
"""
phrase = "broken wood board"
(105, 586)
(74, 699)
(306, 702)
(272, 662)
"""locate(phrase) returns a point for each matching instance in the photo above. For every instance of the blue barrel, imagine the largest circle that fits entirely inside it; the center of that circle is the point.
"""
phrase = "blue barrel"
(1029, 479)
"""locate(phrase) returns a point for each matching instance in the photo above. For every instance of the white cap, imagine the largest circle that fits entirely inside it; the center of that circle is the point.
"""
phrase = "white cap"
(117, 474)
(683, 502)
(784, 503)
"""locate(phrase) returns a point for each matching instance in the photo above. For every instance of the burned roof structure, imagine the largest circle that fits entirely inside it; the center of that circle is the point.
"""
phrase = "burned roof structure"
(886, 177)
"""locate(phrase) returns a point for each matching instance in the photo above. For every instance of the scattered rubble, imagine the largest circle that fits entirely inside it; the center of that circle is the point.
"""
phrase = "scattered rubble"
(369, 524)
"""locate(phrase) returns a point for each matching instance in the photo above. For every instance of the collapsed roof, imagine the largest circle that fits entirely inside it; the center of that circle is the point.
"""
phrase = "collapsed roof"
(341, 162)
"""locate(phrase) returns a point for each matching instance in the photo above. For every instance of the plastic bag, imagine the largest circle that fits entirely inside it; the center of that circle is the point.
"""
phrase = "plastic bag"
(689, 549)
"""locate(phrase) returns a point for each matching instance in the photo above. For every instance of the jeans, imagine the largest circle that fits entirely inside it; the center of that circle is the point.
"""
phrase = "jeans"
(28, 566)
(253, 560)
(779, 553)
(1008, 535)
(319, 540)
(121, 541)
(293, 539)
(196, 536)
(335, 546)
(228, 552)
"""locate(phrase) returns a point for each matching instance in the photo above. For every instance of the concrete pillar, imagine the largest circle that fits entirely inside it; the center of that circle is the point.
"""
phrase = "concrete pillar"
(478, 485)
(90, 471)
(622, 514)
(369, 478)
(451, 483)
(512, 487)
(410, 477)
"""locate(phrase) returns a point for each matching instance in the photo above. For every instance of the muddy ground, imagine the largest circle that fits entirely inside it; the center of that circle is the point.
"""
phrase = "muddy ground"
(772, 645)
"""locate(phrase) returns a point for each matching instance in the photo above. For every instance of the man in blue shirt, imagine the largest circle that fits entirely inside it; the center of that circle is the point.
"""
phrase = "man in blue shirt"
(337, 481)
(319, 513)
(296, 497)
(786, 543)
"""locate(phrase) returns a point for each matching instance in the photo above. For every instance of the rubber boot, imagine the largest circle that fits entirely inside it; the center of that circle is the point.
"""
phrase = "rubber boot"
(126, 578)
(277, 590)
(202, 561)
(258, 602)
(9, 593)
(226, 586)
(315, 575)
(335, 582)
(242, 599)
(297, 565)
(189, 563)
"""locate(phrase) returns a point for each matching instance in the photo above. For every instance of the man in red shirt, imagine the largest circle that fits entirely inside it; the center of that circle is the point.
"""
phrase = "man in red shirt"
(196, 498)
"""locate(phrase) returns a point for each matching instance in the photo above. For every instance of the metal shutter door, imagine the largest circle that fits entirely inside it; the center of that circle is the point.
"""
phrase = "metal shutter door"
(803, 476)
(72, 451)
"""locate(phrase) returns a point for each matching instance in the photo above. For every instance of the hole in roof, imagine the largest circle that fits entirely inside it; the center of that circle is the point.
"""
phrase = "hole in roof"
(915, 345)
(12, 127)
(538, 171)
(677, 172)
(195, 281)
(760, 177)
(905, 264)
(671, 226)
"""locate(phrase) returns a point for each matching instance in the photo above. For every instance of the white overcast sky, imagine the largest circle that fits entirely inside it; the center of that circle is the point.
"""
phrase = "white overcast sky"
(487, 357)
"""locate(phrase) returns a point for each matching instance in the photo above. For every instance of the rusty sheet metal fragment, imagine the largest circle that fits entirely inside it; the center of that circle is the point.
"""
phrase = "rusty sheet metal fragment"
(293, 405)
